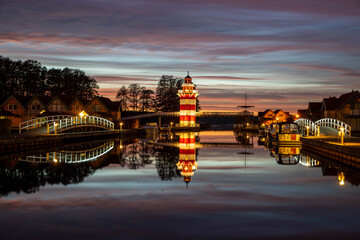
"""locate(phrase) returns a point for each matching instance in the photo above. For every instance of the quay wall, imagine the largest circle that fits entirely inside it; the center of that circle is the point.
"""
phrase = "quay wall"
(348, 155)
(21, 143)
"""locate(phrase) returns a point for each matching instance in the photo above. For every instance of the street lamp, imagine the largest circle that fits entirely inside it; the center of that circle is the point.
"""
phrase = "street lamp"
(171, 124)
(121, 125)
(307, 131)
(55, 127)
(341, 132)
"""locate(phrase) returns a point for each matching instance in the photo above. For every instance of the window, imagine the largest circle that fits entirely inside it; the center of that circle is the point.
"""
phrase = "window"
(96, 108)
(76, 108)
(15, 107)
(10, 107)
(38, 107)
(32, 107)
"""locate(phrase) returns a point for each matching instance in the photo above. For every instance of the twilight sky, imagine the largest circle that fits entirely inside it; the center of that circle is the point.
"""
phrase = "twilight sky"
(284, 53)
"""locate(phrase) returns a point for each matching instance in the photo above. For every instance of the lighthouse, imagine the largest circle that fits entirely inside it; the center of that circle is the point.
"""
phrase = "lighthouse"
(187, 103)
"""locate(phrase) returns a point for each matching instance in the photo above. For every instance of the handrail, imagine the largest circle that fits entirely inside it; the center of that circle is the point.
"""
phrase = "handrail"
(72, 156)
(334, 123)
(40, 121)
(64, 124)
(304, 123)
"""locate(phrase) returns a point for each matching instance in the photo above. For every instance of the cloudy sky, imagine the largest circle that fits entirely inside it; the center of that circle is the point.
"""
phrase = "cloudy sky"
(284, 53)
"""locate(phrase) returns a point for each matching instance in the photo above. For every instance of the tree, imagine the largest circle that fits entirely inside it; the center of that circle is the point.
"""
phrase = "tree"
(146, 99)
(166, 94)
(123, 95)
(30, 78)
(134, 94)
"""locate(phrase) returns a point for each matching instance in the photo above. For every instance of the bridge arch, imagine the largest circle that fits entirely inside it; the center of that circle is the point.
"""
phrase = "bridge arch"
(66, 156)
(304, 123)
(60, 123)
(334, 123)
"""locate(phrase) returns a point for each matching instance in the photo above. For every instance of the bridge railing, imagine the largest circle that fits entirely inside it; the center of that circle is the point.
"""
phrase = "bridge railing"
(72, 156)
(313, 127)
(334, 123)
(38, 122)
(81, 121)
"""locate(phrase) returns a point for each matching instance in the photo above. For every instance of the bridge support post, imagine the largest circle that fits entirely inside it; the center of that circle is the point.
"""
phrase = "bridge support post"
(159, 121)
(47, 128)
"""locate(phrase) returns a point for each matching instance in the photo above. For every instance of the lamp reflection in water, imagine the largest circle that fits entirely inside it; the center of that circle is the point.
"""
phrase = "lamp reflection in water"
(341, 177)
(187, 156)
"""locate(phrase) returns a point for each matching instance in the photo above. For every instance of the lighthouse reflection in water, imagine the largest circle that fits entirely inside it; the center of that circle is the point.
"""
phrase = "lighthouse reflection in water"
(187, 155)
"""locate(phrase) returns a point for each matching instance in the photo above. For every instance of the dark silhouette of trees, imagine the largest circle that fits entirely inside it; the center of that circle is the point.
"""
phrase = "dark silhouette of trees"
(28, 178)
(136, 97)
(123, 96)
(30, 78)
(165, 162)
(167, 99)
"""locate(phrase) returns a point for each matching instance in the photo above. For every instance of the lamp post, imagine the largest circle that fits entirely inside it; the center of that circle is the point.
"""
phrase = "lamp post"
(342, 135)
(121, 126)
(55, 127)
(171, 124)
(307, 131)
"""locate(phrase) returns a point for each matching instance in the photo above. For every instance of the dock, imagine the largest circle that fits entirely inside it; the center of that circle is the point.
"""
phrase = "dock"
(348, 153)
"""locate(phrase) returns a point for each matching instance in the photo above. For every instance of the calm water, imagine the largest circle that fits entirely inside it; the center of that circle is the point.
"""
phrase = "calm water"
(135, 190)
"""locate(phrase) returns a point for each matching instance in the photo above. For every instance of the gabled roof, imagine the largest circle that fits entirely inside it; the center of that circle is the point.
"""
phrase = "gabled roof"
(84, 102)
(43, 99)
(60, 99)
(315, 107)
(329, 103)
(347, 98)
(106, 102)
(20, 99)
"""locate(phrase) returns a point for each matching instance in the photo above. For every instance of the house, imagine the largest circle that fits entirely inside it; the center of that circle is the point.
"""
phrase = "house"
(103, 107)
(36, 105)
(314, 110)
(78, 105)
(269, 116)
(58, 106)
(17, 106)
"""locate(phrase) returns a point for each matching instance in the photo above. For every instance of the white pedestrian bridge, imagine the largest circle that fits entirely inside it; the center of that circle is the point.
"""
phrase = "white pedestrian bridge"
(325, 126)
(61, 123)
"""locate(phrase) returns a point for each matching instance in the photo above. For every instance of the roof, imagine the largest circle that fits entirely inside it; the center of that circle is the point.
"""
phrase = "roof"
(7, 113)
(330, 103)
(347, 98)
(315, 106)
(106, 102)
(21, 99)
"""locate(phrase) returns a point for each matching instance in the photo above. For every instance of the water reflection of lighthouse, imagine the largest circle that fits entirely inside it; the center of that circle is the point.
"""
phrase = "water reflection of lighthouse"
(187, 156)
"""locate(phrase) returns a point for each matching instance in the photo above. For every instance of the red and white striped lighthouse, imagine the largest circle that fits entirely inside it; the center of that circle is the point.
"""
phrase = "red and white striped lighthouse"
(187, 103)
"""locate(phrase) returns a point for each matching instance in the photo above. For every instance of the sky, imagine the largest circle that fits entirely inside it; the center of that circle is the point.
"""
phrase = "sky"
(283, 53)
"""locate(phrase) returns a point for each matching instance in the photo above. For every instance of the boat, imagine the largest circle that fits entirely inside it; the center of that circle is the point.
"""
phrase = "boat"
(284, 134)
(151, 128)
(246, 122)
(289, 155)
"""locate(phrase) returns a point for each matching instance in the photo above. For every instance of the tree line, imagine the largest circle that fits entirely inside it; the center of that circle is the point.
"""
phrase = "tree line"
(29, 78)
(164, 99)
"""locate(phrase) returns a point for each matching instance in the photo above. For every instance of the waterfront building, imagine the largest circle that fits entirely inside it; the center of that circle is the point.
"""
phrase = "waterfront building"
(269, 116)
(188, 97)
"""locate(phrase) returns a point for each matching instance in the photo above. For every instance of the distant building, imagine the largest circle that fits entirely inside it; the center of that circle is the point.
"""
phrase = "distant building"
(269, 116)
(345, 108)
(314, 110)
